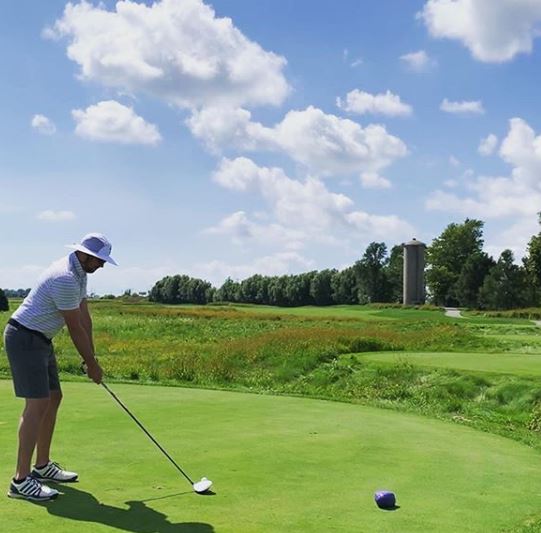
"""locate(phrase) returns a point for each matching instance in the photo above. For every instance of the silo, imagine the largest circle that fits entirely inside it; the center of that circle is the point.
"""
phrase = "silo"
(414, 272)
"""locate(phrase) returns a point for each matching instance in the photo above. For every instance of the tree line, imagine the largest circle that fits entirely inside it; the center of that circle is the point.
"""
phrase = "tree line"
(458, 273)
(377, 277)
(16, 293)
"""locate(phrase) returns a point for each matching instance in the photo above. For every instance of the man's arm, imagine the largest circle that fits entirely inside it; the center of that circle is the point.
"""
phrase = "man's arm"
(83, 342)
(86, 320)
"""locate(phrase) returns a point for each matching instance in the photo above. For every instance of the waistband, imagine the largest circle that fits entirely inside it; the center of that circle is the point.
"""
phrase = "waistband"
(18, 325)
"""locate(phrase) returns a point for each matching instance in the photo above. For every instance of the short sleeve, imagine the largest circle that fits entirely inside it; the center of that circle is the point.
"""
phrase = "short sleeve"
(66, 293)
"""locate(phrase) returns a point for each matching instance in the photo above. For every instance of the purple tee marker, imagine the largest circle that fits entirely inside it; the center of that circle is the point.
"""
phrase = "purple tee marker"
(385, 499)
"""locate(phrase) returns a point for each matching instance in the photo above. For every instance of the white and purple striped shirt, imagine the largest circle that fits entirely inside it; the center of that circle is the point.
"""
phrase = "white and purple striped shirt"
(61, 287)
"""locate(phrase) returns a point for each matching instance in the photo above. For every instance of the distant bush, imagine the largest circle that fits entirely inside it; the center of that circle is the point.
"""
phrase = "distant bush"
(4, 304)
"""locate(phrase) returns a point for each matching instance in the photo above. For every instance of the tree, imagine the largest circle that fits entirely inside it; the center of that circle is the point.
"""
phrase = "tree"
(395, 273)
(298, 289)
(228, 292)
(277, 290)
(253, 290)
(170, 289)
(532, 265)
(471, 278)
(156, 293)
(447, 255)
(372, 282)
(344, 286)
(321, 288)
(505, 285)
(4, 304)
(181, 289)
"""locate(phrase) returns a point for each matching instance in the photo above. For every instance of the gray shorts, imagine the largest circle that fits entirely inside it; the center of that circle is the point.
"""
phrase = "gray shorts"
(32, 362)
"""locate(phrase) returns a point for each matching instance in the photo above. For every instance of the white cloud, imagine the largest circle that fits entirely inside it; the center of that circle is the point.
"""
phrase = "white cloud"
(241, 229)
(453, 161)
(237, 174)
(304, 211)
(473, 107)
(55, 216)
(176, 50)
(418, 61)
(221, 128)
(380, 227)
(44, 125)
(110, 121)
(385, 104)
(306, 205)
(488, 145)
(325, 144)
(493, 30)
(372, 180)
(276, 264)
(518, 195)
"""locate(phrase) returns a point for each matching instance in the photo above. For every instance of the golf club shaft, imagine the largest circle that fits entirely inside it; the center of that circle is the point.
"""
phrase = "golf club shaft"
(146, 432)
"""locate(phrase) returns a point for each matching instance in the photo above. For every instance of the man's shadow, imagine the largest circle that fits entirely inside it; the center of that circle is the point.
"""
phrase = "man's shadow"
(76, 504)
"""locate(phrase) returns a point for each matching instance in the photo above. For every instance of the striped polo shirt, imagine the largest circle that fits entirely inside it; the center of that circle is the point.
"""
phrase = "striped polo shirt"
(61, 287)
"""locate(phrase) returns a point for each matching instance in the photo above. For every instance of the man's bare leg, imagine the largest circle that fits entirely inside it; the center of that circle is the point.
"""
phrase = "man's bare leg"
(46, 431)
(29, 428)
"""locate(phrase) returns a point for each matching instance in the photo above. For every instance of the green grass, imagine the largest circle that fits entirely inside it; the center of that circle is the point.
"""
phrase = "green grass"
(360, 312)
(505, 363)
(278, 464)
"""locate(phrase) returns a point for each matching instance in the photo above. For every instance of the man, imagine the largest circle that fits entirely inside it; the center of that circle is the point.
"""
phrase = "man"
(59, 298)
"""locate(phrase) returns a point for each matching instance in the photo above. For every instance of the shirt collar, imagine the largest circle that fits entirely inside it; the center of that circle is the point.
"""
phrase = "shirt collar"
(75, 266)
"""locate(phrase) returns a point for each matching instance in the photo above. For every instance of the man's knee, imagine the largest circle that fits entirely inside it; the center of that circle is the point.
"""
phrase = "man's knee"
(36, 407)
(55, 398)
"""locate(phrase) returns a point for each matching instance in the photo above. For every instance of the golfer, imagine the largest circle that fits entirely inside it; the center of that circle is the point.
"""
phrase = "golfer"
(59, 298)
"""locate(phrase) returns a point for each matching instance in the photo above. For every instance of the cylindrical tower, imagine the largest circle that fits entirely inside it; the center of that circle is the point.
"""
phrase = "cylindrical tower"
(414, 272)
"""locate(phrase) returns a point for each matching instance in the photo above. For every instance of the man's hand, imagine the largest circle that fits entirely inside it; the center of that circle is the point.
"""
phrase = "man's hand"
(94, 371)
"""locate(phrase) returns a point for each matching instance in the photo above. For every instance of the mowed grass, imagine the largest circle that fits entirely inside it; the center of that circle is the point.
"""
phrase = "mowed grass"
(505, 363)
(278, 464)
(361, 312)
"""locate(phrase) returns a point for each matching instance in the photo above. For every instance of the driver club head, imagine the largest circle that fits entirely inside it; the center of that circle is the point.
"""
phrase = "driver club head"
(202, 486)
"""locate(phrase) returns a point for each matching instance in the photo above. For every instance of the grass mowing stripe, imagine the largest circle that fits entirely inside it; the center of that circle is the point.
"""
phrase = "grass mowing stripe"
(508, 363)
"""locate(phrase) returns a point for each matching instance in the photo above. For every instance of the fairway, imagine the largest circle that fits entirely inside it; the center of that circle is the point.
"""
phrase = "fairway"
(500, 363)
(278, 464)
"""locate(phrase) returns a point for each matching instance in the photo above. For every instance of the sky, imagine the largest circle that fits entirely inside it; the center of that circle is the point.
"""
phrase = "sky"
(273, 137)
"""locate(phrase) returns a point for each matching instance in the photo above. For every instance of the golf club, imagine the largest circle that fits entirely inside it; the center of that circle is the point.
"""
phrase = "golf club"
(199, 487)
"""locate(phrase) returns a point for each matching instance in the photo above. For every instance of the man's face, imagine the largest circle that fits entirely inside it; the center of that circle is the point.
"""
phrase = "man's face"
(90, 263)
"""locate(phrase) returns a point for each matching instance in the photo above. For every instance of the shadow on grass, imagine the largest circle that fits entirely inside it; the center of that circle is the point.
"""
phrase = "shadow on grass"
(75, 504)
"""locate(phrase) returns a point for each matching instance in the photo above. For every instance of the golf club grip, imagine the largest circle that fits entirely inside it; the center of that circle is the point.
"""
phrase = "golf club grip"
(146, 432)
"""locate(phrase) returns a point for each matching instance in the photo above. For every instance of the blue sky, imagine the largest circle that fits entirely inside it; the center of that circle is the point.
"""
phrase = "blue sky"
(271, 137)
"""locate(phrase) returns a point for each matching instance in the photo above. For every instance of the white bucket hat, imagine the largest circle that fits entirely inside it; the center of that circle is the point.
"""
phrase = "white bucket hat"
(97, 245)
